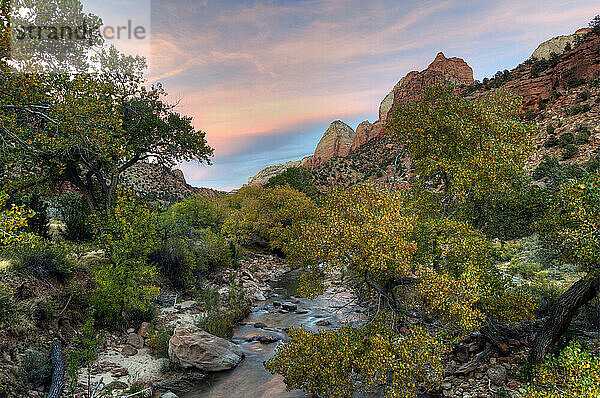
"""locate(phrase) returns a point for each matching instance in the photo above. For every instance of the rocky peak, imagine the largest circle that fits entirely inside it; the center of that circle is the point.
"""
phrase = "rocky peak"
(336, 141)
(363, 134)
(452, 70)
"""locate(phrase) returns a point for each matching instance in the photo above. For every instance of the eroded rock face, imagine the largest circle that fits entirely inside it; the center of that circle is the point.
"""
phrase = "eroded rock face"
(387, 103)
(557, 44)
(336, 141)
(363, 134)
(451, 70)
(192, 347)
(263, 176)
(582, 62)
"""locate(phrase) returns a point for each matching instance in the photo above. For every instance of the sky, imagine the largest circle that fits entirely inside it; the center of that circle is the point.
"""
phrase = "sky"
(264, 79)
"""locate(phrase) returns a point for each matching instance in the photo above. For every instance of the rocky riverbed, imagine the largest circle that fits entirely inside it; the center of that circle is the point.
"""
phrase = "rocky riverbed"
(267, 280)
(276, 307)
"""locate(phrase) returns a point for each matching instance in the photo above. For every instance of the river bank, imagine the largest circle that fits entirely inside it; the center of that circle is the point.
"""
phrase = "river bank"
(267, 280)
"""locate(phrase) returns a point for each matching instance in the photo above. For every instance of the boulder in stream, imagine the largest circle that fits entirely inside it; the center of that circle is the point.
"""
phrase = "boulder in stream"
(192, 347)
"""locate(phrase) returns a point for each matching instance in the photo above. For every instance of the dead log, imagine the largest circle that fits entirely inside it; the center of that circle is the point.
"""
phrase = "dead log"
(58, 371)
(560, 317)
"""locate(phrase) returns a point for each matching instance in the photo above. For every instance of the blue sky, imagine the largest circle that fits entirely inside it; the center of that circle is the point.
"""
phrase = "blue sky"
(264, 79)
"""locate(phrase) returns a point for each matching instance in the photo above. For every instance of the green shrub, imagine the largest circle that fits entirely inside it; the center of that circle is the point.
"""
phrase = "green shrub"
(583, 96)
(37, 366)
(299, 178)
(72, 209)
(127, 283)
(74, 212)
(525, 270)
(39, 223)
(551, 142)
(85, 347)
(583, 136)
(214, 251)
(569, 152)
(572, 171)
(218, 320)
(545, 292)
(158, 341)
(568, 47)
(6, 305)
(42, 258)
(540, 65)
(574, 372)
(550, 169)
(577, 109)
(176, 260)
(573, 82)
(592, 164)
(238, 303)
(566, 139)
(198, 212)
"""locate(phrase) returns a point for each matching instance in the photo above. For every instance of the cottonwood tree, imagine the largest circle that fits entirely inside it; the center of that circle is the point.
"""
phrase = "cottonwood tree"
(52, 36)
(87, 129)
(573, 227)
(414, 253)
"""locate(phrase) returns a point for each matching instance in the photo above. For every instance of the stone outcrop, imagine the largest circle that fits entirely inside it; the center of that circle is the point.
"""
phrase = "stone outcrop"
(192, 347)
(263, 176)
(557, 44)
(410, 88)
(145, 178)
(336, 141)
(582, 62)
(386, 104)
(363, 134)
(546, 88)
(451, 70)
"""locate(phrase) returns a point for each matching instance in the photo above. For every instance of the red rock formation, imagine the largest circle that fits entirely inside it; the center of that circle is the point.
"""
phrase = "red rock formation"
(363, 133)
(453, 70)
(582, 62)
(336, 141)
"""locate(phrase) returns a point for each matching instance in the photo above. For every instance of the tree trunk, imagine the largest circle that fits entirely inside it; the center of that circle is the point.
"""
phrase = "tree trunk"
(561, 315)
(86, 190)
(58, 371)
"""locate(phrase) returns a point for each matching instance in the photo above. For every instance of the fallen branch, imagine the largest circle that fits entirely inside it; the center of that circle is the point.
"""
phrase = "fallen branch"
(58, 371)
(471, 366)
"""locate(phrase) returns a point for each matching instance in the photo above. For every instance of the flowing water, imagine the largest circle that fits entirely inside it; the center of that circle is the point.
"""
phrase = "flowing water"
(250, 379)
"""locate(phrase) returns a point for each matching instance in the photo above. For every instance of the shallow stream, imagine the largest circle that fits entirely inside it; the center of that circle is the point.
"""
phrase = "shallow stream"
(250, 379)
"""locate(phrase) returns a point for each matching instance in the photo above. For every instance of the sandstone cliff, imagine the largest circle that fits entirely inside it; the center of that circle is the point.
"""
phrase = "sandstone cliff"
(562, 92)
(409, 89)
(363, 134)
(336, 141)
(557, 44)
(562, 97)
(452, 70)
(582, 63)
(265, 175)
